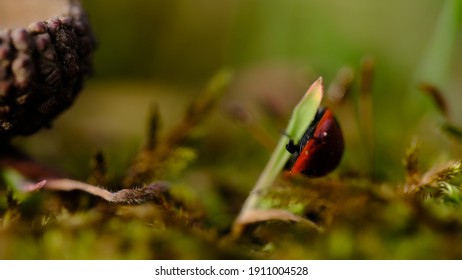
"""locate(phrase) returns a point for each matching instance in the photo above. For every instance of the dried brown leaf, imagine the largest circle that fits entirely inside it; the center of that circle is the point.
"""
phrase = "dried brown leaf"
(263, 215)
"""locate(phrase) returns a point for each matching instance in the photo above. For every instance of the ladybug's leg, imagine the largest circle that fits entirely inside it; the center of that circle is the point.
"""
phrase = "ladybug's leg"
(291, 147)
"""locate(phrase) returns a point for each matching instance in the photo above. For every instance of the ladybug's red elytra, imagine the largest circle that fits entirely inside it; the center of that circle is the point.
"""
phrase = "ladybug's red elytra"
(320, 149)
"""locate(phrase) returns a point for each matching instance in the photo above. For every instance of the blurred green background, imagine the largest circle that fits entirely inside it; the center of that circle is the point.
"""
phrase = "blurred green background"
(165, 51)
(185, 42)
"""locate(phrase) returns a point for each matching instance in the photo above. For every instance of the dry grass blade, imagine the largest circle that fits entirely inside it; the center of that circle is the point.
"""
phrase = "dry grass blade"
(263, 215)
(437, 98)
(151, 192)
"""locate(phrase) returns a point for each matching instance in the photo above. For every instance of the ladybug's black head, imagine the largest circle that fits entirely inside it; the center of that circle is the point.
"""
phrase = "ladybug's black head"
(291, 147)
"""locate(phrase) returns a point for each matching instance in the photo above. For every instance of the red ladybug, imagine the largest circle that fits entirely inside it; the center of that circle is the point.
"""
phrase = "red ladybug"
(320, 149)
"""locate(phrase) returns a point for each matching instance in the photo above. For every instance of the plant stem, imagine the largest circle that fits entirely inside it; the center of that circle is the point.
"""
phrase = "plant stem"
(302, 116)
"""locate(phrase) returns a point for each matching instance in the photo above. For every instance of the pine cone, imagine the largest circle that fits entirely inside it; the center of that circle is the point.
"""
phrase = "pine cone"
(42, 68)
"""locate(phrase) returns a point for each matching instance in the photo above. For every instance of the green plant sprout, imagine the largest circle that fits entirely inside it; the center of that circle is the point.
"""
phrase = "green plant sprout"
(303, 113)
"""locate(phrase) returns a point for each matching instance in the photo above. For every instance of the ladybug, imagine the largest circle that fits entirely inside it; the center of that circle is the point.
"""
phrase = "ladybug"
(320, 149)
